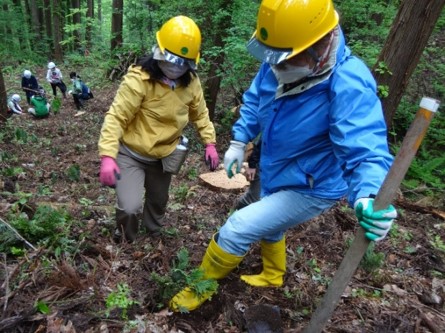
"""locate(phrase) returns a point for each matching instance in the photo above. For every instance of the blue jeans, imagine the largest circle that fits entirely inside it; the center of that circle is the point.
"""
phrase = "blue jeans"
(268, 219)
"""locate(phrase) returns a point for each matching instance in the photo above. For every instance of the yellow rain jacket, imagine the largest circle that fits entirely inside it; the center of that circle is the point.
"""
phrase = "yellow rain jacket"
(149, 117)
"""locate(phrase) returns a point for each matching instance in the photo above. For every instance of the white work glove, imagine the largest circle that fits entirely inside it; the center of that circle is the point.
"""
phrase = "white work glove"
(234, 155)
(376, 223)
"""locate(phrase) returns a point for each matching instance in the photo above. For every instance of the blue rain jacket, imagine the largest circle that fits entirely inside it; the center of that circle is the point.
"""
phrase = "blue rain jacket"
(327, 141)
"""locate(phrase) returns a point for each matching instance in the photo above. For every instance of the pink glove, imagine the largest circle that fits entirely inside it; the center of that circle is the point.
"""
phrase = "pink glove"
(109, 171)
(211, 156)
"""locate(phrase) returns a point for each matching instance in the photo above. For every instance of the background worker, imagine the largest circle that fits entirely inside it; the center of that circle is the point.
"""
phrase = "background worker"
(80, 91)
(29, 85)
(141, 142)
(54, 77)
(14, 104)
(40, 106)
(323, 137)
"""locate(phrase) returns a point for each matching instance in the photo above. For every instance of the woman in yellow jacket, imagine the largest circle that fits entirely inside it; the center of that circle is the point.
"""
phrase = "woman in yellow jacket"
(141, 143)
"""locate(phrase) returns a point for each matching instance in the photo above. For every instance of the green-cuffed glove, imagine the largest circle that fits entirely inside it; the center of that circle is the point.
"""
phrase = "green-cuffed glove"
(376, 223)
(234, 155)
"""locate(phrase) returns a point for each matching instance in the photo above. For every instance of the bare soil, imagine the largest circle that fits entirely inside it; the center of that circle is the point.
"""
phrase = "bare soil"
(405, 294)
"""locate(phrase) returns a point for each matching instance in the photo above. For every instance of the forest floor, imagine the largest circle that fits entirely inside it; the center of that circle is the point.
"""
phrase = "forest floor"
(48, 290)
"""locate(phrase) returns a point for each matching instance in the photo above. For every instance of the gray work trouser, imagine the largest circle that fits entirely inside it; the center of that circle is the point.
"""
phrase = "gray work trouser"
(135, 178)
(252, 194)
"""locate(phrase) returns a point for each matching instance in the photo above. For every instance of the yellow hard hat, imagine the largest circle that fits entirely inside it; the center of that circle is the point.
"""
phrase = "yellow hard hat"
(287, 27)
(179, 40)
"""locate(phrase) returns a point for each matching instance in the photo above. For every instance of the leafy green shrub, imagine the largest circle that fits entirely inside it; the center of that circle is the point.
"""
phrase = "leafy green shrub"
(181, 276)
(20, 135)
(192, 173)
(6, 156)
(121, 300)
(366, 25)
(55, 105)
(73, 173)
(182, 192)
(372, 260)
(48, 227)
(426, 175)
(12, 171)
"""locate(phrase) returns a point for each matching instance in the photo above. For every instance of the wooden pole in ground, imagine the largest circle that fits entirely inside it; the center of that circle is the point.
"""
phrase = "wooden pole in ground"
(354, 255)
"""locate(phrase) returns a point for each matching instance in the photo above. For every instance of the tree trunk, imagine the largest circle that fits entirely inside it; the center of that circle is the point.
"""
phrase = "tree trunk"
(116, 24)
(99, 10)
(41, 13)
(75, 4)
(48, 25)
(21, 33)
(58, 21)
(90, 21)
(35, 21)
(3, 99)
(7, 28)
(213, 83)
(99, 15)
(401, 53)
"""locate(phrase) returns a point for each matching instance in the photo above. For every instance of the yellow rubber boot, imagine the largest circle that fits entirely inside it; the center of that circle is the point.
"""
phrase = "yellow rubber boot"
(274, 266)
(216, 264)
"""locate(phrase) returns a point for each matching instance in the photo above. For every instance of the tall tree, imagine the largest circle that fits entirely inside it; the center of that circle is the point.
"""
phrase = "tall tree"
(21, 31)
(90, 20)
(99, 10)
(75, 6)
(117, 24)
(99, 15)
(220, 28)
(41, 13)
(58, 21)
(6, 28)
(403, 48)
(3, 98)
(48, 26)
(33, 13)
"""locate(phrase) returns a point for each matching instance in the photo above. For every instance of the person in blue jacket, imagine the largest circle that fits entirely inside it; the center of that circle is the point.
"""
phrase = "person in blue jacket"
(29, 85)
(324, 137)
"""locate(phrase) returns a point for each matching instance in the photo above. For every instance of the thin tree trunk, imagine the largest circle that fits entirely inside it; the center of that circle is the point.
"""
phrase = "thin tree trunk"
(7, 27)
(3, 100)
(35, 21)
(90, 20)
(41, 14)
(213, 83)
(21, 33)
(75, 4)
(48, 26)
(99, 10)
(403, 48)
(99, 15)
(58, 53)
(116, 24)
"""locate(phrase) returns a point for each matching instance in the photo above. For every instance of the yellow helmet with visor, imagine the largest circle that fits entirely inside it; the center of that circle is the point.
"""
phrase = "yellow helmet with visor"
(288, 27)
(179, 41)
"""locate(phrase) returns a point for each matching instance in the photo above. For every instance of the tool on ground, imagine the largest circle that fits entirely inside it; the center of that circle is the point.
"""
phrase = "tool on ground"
(410, 144)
